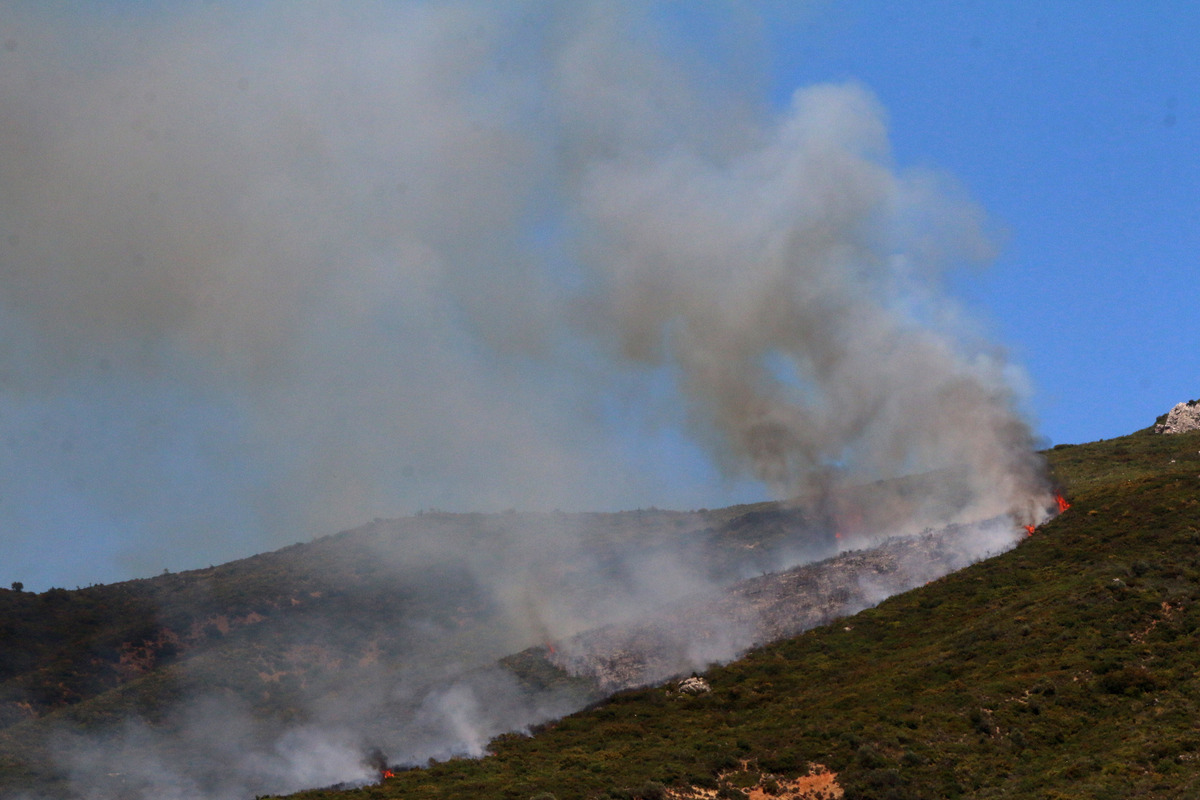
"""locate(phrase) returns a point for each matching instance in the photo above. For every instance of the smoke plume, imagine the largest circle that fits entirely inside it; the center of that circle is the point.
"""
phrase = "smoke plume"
(269, 270)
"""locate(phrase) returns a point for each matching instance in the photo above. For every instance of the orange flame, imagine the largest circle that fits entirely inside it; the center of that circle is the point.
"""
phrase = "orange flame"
(387, 773)
(1063, 505)
(550, 647)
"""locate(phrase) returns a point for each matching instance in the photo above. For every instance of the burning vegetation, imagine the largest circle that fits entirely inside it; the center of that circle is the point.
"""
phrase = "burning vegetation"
(1060, 504)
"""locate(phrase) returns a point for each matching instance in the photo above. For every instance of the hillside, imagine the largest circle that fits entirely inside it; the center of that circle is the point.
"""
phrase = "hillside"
(348, 632)
(421, 639)
(63, 648)
(1063, 668)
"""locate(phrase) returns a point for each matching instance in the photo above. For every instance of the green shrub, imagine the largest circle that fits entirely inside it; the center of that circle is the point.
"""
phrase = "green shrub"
(868, 757)
(1131, 680)
(652, 790)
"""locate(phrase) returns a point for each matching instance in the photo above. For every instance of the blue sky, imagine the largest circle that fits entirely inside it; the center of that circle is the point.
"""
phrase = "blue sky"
(1077, 127)
(178, 394)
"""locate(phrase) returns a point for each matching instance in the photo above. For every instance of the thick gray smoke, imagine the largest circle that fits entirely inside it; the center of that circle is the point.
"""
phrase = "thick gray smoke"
(788, 288)
(268, 270)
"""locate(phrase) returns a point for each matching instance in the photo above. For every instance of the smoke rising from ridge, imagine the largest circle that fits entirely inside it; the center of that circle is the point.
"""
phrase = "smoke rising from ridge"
(267, 271)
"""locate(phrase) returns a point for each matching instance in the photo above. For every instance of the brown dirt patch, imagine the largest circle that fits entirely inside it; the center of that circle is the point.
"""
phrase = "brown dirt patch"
(818, 784)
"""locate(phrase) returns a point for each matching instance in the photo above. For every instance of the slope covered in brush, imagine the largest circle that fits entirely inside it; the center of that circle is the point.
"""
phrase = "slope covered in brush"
(1063, 668)
(64, 647)
(326, 631)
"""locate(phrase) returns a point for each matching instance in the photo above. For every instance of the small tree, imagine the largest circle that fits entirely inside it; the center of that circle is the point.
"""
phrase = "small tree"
(17, 586)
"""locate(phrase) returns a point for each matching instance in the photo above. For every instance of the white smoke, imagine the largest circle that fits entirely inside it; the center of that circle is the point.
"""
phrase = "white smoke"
(215, 750)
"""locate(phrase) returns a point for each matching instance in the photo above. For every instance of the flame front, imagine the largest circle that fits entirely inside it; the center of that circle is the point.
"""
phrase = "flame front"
(1059, 501)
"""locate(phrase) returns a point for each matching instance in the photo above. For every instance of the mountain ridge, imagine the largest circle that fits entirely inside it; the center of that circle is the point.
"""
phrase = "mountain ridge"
(887, 767)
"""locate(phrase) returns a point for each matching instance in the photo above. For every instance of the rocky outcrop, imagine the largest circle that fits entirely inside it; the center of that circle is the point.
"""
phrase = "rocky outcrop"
(694, 685)
(1180, 419)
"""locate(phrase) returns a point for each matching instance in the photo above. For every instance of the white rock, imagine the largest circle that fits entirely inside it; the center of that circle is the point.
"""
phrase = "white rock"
(1181, 419)
(694, 685)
